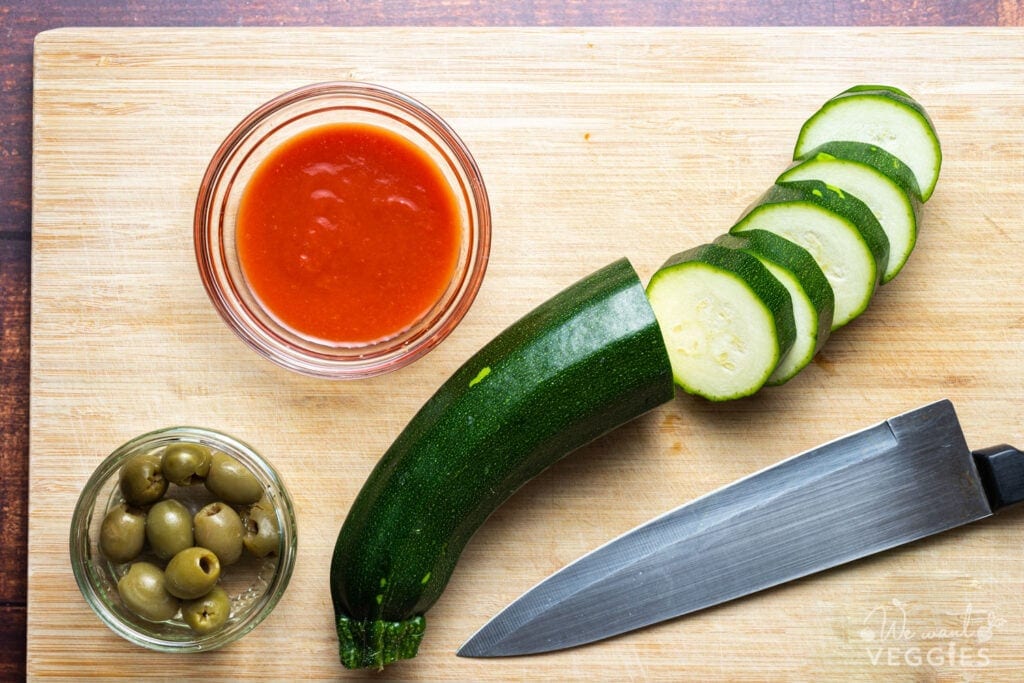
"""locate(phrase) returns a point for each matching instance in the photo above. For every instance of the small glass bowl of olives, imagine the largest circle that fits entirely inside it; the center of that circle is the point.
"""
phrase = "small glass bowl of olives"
(183, 540)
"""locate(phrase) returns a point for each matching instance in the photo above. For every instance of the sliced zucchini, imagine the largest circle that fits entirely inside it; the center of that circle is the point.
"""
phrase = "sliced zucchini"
(837, 229)
(813, 301)
(726, 320)
(874, 156)
(881, 116)
(874, 86)
(893, 208)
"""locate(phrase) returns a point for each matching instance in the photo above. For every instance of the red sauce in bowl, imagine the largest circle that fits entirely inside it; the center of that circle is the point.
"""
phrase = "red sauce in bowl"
(348, 234)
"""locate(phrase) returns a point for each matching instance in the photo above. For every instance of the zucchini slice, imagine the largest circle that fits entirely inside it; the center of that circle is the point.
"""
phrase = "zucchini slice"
(726, 320)
(882, 116)
(878, 158)
(862, 87)
(584, 362)
(837, 229)
(813, 301)
(894, 209)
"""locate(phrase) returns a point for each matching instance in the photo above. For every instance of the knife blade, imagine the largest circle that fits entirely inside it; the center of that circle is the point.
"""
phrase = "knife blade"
(901, 480)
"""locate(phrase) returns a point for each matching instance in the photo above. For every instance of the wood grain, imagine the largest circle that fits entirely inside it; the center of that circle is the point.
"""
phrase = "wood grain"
(591, 142)
(22, 20)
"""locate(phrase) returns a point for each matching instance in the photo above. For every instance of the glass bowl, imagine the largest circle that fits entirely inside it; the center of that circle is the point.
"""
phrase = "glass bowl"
(242, 153)
(254, 585)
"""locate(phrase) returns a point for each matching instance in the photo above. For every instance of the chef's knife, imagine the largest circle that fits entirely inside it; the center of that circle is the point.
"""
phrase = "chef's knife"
(903, 479)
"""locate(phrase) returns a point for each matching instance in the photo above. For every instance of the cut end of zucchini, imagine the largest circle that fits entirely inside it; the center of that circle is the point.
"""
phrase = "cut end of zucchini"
(726, 321)
(372, 644)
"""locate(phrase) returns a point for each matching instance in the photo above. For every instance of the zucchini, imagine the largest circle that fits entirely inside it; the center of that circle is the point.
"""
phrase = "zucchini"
(867, 87)
(883, 116)
(813, 300)
(719, 321)
(584, 362)
(726, 320)
(884, 197)
(837, 229)
(876, 157)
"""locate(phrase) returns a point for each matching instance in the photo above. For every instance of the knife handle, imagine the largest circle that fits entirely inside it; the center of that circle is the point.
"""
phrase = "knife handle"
(1002, 475)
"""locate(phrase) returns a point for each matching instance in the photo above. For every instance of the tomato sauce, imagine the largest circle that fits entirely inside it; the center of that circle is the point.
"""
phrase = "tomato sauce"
(348, 234)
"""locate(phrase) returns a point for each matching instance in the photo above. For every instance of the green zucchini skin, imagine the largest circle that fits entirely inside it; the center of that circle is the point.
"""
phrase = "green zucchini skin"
(872, 87)
(876, 157)
(574, 368)
(817, 197)
(807, 274)
(832, 199)
(887, 199)
(794, 258)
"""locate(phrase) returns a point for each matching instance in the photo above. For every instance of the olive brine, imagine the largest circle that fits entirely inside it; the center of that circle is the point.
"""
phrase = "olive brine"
(177, 543)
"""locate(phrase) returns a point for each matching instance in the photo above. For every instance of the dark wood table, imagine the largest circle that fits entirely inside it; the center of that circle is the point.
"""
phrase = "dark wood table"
(22, 20)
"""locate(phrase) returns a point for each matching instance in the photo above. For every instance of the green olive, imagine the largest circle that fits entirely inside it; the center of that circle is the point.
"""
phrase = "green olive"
(169, 528)
(141, 481)
(262, 533)
(207, 613)
(192, 573)
(231, 481)
(123, 533)
(144, 592)
(219, 528)
(185, 464)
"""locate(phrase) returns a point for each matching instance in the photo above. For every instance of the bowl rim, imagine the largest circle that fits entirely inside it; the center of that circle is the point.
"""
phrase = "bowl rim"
(84, 554)
(274, 341)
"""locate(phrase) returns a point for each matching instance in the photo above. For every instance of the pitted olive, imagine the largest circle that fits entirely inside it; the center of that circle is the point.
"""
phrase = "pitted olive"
(231, 481)
(141, 480)
(185, 464)
(192, 573)
(207, 613)
(219, 528)
(144, 592)
(169, 528)
(262, 532)
(123, 533)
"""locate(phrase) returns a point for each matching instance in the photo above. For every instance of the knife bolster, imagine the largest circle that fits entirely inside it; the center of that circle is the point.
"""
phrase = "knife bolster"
(1002, 475)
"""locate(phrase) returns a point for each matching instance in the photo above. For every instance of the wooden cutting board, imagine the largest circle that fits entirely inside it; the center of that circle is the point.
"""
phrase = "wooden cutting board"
(595, 144)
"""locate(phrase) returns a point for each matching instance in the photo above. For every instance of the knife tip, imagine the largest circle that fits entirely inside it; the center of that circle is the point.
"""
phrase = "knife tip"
(466, 651)
(478, 645)
(472, 648)
(485, 644)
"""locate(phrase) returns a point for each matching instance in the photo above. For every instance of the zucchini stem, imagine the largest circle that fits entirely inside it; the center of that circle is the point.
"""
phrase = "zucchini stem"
(374, 643)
